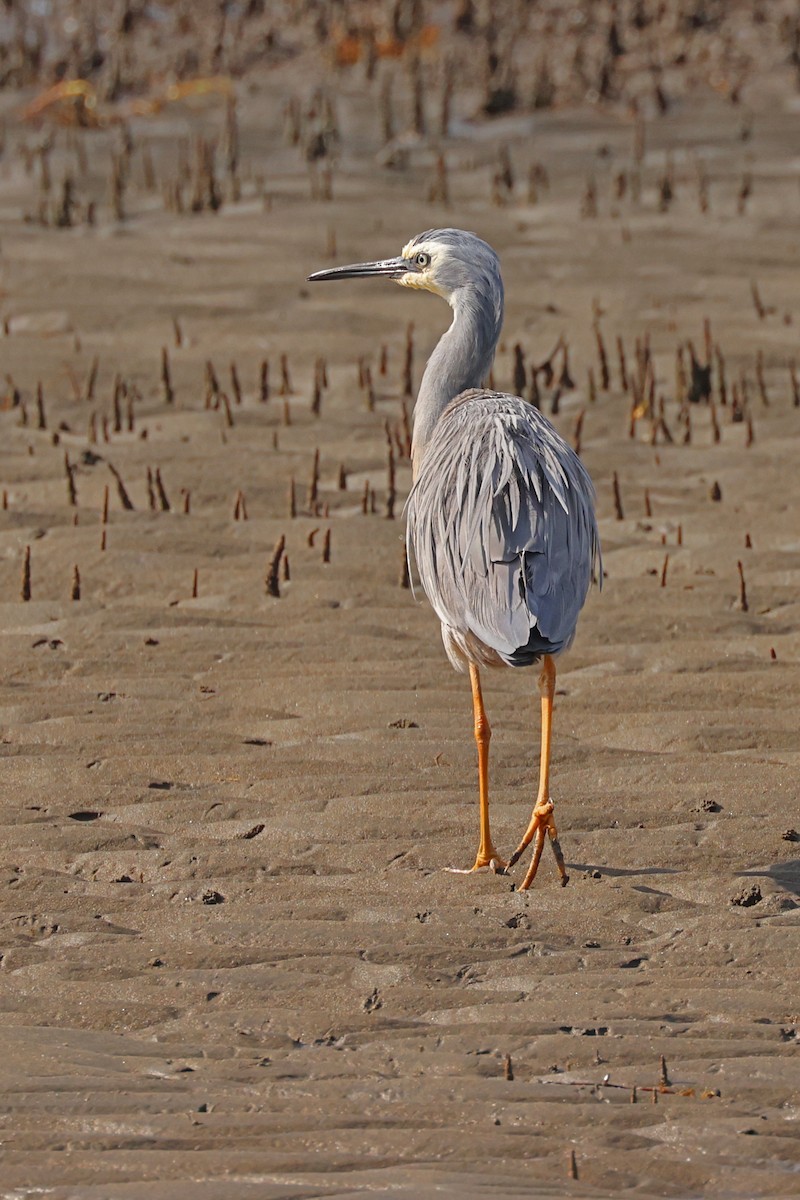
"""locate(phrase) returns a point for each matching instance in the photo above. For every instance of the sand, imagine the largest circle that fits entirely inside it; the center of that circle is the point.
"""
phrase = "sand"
(233, 963)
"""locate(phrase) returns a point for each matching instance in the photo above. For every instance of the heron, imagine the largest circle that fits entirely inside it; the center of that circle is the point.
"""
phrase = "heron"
(500, 519)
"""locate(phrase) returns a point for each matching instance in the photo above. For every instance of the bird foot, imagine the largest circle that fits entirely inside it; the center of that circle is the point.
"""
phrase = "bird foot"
(542, 828)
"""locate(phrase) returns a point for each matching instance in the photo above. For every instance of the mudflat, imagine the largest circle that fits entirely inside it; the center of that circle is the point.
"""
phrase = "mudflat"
(233, 961)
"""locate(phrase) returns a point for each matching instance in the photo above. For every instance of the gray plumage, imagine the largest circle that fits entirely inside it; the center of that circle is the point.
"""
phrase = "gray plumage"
(501, 526)
(501, 517)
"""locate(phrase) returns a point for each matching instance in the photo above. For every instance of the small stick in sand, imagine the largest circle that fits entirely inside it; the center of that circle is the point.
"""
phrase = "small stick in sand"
(286, 382)
(520, 375)
(664, 570)
(565, 380)
(716, 492)
(116, 403)
(227, 410)
(271, 580)
(745, 191)
(72, 492)
(391, 494)
(578, 430)
(762, 387)
(151, 494)
(743, 605)
(326, 546)
(508, 1068)
(285, 572)
(687, 428)
(591, 386)
(104, 510)
(91, 379)
(42, 418)
(406, 426)
(370, 397)
(313, 485)
(292, 498)
(383, 362)
(177, 332)
(618, 510)
(405, 577)
(162, 495)
(680, 376)
(721, 384)
(534, 395)
(75, 591)
(605, 377)
(316, 397)
(634, 1097)
(715, 429)
(748, 542)
(758, 305)
(342, 478)
(663, 1076)
(240, 507)
(25, 590)
(751, 434)
(623, 369)
(236, 387)
(572, 1165)
(365, 498)
(212, 386)
(166, 380)
(795, 385)
(263, 381)
(408, 369)
(195, 578)
(648, 508)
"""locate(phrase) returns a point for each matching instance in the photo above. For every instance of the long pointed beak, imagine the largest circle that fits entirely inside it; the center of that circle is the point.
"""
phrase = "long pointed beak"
(391, 268)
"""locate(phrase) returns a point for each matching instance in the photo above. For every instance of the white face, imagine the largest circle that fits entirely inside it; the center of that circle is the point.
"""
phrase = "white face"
(424, 258)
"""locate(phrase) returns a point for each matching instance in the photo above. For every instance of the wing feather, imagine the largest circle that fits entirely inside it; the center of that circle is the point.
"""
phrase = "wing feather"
(501, 524)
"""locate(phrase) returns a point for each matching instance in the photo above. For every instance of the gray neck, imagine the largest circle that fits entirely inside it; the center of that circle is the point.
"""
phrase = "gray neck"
(462, 359)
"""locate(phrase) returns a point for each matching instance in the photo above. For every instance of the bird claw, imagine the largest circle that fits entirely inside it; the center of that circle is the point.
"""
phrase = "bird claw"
(495, 864)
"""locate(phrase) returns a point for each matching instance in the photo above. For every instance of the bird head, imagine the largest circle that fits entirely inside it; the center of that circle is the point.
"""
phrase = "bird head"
(441, 261)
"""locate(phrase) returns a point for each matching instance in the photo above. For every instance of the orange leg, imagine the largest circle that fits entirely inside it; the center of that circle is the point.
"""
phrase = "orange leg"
(542, 823)
(487, 856)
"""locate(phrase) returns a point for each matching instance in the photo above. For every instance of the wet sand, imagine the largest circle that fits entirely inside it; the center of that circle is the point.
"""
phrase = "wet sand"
(233, 962)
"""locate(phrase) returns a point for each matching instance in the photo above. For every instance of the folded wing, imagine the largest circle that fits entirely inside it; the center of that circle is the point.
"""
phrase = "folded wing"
(501, 525)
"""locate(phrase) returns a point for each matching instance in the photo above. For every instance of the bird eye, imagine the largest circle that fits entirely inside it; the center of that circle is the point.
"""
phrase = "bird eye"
(422, 260)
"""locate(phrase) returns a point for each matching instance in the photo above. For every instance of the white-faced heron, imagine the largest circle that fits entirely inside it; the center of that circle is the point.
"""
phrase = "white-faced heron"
(501, 520)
